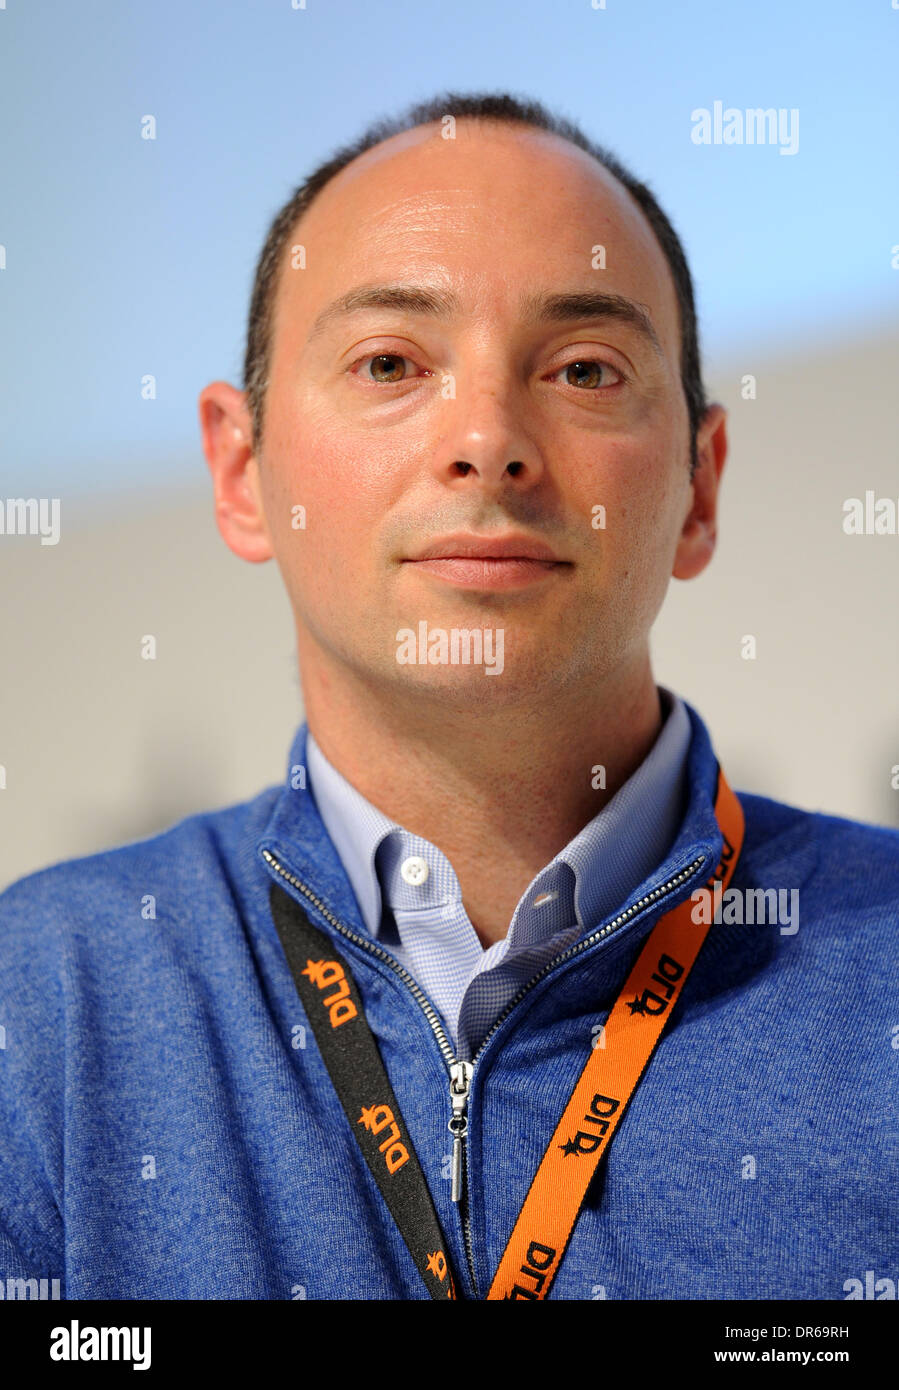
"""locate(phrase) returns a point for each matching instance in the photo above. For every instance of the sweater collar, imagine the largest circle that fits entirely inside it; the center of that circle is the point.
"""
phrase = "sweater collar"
(297, 837)
(588, 878)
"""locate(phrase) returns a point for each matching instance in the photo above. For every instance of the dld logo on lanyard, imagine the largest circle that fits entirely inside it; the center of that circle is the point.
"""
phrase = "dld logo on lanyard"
(541, 1234)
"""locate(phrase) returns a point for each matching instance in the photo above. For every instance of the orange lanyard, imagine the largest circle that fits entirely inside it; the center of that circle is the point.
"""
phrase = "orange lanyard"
(537, 1244)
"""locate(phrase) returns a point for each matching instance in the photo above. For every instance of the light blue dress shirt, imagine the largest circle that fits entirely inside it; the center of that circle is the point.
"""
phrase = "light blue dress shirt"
(411, 902)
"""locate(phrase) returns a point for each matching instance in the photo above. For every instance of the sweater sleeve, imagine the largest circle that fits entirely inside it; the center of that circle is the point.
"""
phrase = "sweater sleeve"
(32, 1088)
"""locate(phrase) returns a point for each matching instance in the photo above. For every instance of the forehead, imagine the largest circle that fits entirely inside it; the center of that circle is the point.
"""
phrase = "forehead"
(497, 211)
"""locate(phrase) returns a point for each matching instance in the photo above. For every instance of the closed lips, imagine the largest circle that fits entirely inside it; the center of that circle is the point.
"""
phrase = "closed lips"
(476, 548)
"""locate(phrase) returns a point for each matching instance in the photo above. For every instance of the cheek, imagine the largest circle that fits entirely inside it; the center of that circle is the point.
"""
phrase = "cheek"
(320, 467)
(640, 488)
(632, 480)
(344, 486)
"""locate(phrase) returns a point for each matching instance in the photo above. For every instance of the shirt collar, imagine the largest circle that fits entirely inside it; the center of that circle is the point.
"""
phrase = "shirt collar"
(591, 876)
(355, 826)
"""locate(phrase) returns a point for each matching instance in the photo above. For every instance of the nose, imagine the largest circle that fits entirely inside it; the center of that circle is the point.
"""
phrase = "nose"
(486, 441)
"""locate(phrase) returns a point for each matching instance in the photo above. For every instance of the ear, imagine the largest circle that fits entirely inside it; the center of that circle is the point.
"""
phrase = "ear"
(227, 434)
(697, 540)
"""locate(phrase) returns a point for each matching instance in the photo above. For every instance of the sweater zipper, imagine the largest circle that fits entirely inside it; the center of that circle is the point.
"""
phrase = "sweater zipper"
(461, 1071)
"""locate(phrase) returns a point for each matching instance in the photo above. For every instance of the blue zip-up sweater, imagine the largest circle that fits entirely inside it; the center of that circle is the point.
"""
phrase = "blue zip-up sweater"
(168, 1128)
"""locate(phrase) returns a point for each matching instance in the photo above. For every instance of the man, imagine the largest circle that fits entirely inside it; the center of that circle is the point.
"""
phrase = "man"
(485, 1001)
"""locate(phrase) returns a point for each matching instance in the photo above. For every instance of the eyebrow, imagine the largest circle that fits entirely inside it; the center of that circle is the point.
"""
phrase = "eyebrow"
(536, 308)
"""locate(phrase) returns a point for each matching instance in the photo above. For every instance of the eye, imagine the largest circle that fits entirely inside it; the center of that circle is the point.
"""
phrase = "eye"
(383, 368)
(586, 372)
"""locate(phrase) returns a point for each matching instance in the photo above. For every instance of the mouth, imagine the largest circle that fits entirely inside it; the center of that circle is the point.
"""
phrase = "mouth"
(483, 562)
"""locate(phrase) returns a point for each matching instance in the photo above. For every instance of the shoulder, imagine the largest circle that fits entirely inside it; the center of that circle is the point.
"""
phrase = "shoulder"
(842, 849)
(194, 859)
(845, 872)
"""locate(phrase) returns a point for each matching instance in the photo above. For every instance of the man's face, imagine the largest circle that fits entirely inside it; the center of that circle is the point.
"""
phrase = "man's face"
(393, 427)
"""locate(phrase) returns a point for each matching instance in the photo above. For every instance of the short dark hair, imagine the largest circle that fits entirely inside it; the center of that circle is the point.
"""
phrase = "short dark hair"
(501, 107)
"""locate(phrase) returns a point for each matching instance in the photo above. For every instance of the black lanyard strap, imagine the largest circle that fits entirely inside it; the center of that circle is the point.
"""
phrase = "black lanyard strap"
(333, 1006)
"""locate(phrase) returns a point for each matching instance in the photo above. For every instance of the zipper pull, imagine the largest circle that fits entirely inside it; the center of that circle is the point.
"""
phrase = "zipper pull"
(460, 1084)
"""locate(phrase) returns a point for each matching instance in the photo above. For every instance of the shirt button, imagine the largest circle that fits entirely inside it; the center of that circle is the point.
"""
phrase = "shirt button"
(414, 870)
(543, 898)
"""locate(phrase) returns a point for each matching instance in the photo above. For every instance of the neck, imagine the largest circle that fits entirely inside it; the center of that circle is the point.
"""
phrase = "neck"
(499, 791)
